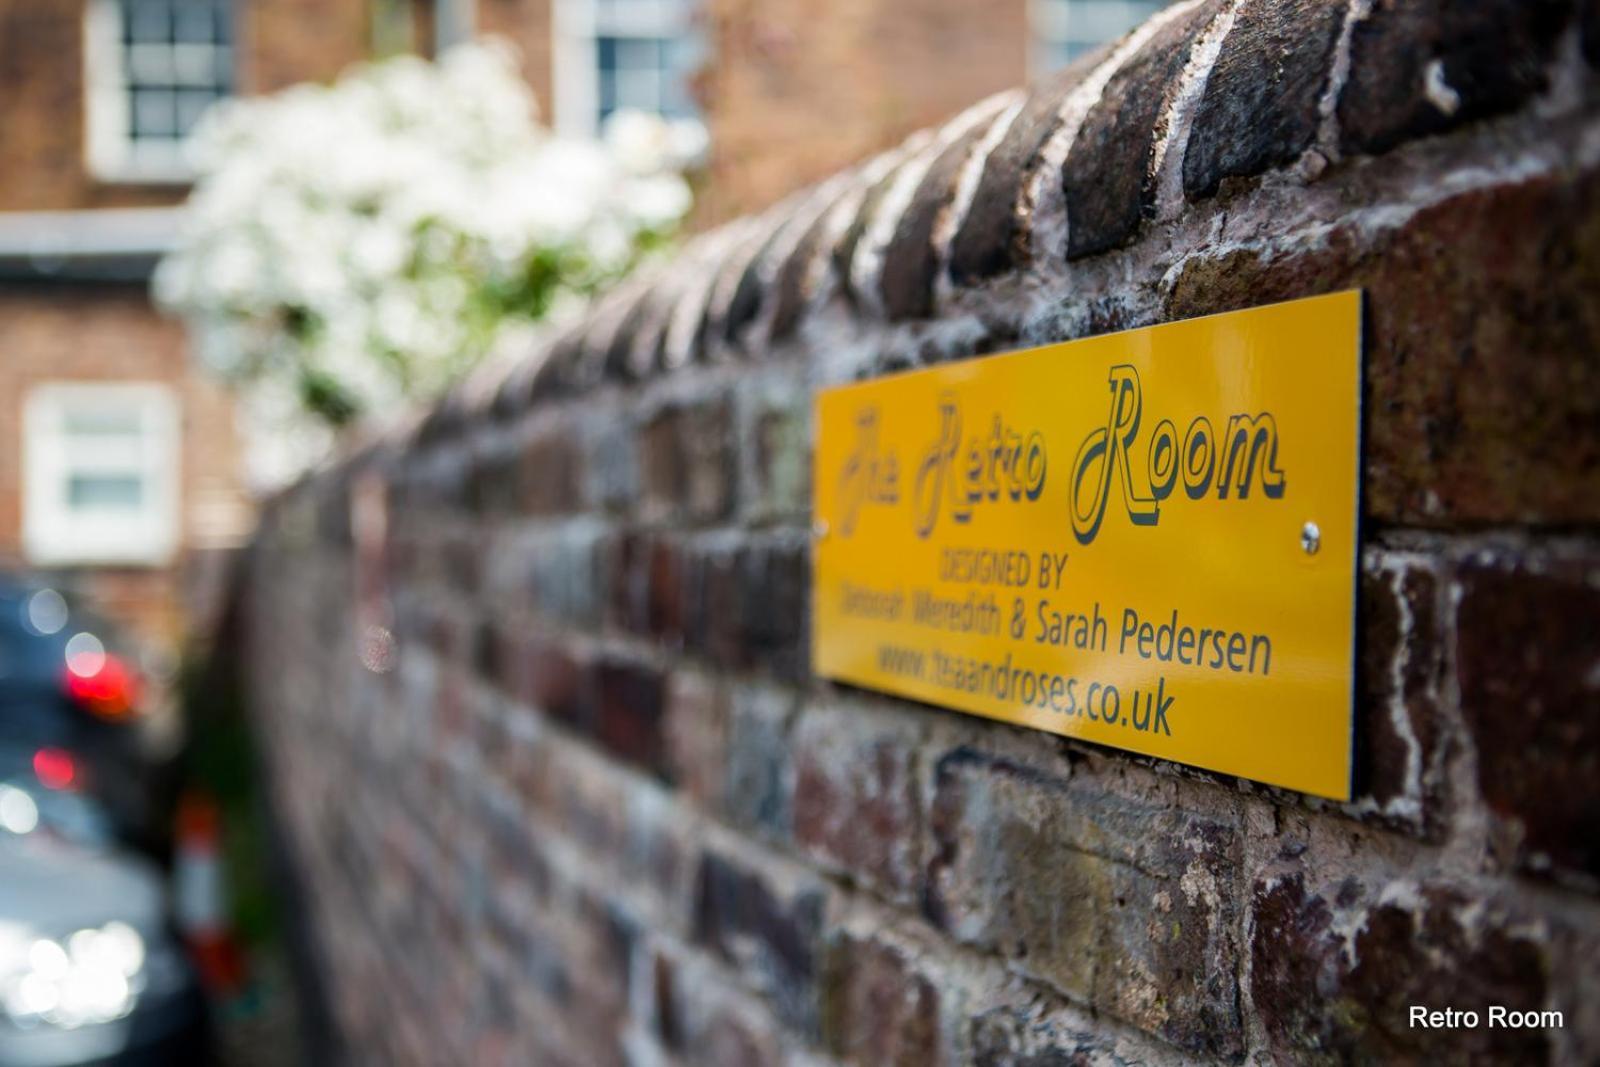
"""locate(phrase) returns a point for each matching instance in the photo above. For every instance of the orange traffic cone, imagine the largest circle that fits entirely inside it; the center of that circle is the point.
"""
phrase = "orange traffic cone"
(200, 896)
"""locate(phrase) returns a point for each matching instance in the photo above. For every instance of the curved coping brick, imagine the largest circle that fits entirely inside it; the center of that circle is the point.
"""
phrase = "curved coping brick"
(1289, 78)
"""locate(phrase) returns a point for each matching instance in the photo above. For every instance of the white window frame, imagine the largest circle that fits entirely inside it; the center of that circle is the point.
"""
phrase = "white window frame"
(576, 81)
(53, 533)
(109, 146)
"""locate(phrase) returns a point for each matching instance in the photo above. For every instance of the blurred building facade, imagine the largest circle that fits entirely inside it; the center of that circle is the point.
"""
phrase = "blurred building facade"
(119, 460)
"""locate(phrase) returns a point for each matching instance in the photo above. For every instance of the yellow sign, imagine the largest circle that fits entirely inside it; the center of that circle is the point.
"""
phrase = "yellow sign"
(1145, 540)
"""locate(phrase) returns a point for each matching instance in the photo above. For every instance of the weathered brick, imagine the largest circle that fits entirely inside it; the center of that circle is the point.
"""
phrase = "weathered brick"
(549, 472)
(1336, 969)
(878, 1006)
(560, 682)
(620, 362)
(564, 568)
(517, 859)
(699, 1018)
(1483, 405)
(686, 463)
(843, 254)
(597, 939)
(776, 582)
(1259, 108)
(619, 570)
(1028, 1033)
(494, 654)
(1400, 748)
(748, 294)
(774, 421)
(771, 934)
(791, 291)
(663, 467)
(759, 785)
(1420, 67)
(610, 466)
(666, 609)
(493, 481)
(1125, 903)
(990, 238)
(1107, 176)
(1528, 661)
(696, 737)
(910, 262)
(646, 584)
(461, 562)
(629, 701)
(749, 606)
(715, 608)
(856, 796)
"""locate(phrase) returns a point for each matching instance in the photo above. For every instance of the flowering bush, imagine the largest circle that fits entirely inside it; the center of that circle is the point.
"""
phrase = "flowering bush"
(350, 246)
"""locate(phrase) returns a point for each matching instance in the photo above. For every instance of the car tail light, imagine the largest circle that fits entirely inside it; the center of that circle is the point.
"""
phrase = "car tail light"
(110, 691)
(55, 768)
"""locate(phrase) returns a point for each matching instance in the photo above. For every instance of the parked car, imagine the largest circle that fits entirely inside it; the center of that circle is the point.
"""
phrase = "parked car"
(70, 707)
(90, 970)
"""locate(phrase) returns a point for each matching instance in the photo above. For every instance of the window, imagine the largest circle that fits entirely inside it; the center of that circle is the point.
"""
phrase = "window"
(424, 27)
(153, 67)
(615, 54)
(1063, 30)
(100, 474)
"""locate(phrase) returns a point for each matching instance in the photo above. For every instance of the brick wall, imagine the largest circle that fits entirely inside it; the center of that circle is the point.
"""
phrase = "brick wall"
(42, 162)
(532, 673)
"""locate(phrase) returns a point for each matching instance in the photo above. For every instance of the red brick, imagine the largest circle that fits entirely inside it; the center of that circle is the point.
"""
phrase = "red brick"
(1483, 404)
(1492, 54)
(770, 933)
(878, 1006)
(1435, 947)
(1107, 177)
(1528, 663)
(629, 700)
(1121, 902)
(856, 796)
(1260, 108)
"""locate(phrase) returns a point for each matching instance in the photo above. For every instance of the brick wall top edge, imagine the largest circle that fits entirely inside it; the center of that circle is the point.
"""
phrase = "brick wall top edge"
(1215, 92)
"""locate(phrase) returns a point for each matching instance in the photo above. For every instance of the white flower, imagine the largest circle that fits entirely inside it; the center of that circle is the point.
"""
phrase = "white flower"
(379, 235)
(658, 201)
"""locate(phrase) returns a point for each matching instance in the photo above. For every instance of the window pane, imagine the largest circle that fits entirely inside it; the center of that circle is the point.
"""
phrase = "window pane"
(192, 103)
(104, 492)
(683, 57)
(199, 23)
(639, 74)
(148, 20)
(153, 113)
(606, 66)
(176, 60)
(150, 64)
(645, 53)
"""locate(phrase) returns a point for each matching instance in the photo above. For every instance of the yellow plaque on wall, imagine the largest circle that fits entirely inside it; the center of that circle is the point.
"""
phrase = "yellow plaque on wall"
(1146, 540)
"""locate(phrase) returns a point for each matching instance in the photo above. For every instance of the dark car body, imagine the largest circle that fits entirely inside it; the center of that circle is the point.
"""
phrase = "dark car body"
(40, 714)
